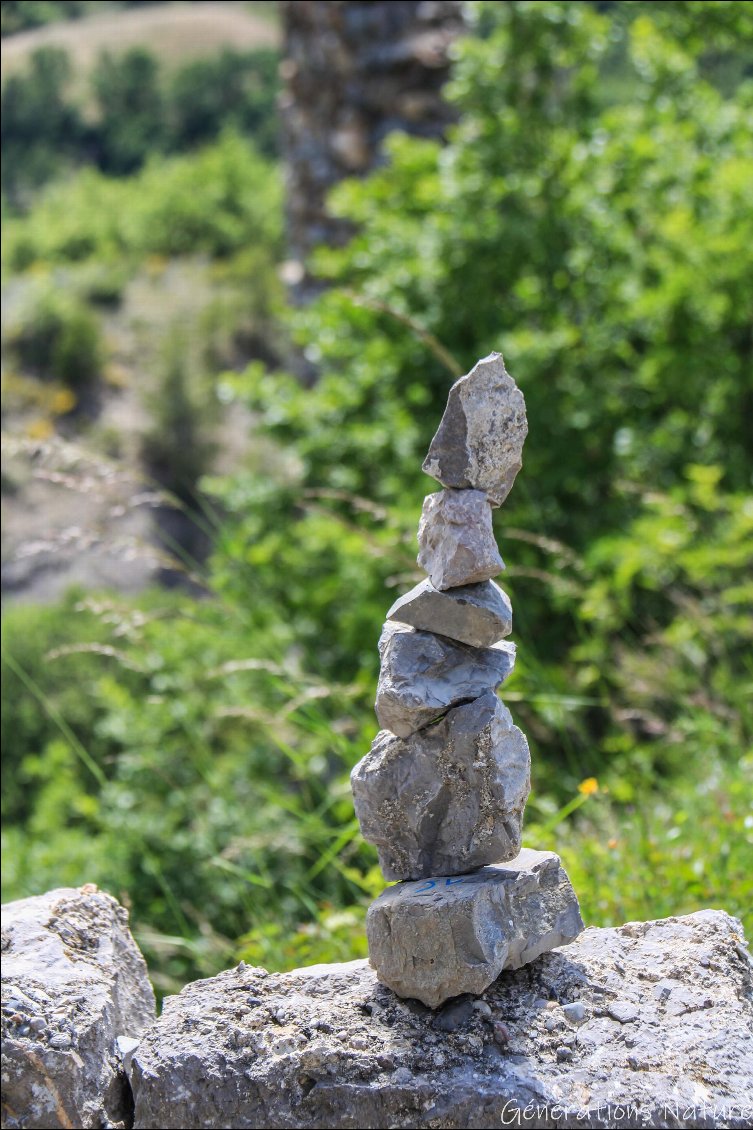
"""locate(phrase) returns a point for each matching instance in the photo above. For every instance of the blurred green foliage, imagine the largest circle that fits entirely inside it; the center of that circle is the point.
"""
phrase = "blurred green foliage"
(216, 202)
(212, 794)
(58, 338)
(596, 247)
(135, 111)
(41, 132)
(598, 239)
(590, 217)
(233, 90)
(177, 447)
(21, 15)
(130, 110)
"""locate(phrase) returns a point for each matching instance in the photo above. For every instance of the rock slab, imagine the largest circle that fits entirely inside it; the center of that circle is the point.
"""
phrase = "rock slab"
(330, 1046)
(479, 615)
(479, 442)
(73, 984)
(449, 798)
(456, 540)
(449, 935)
(423, 675)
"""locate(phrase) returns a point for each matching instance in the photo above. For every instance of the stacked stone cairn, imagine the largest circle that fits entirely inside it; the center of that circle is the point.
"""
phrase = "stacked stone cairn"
(441, 792)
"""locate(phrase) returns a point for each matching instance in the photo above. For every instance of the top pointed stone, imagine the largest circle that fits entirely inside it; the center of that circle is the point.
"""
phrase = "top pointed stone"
(480, 438)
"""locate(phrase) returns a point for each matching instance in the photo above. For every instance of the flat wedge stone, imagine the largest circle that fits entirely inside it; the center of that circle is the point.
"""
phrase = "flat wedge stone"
(479, 442)
(423, 675)
(456, 539)
(449, 798)
(448, 935)
(479, 615)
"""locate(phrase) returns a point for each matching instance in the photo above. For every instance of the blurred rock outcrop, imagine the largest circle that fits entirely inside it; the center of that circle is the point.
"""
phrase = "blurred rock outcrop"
(354, 72)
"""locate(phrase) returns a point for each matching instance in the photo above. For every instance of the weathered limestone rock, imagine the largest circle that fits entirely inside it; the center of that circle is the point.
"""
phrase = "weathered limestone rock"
(478, 615)
(74, 984)
(330, 1046)
(448, 935)
(423, 675)
(448, 798)
(456, 540)
(479, 442)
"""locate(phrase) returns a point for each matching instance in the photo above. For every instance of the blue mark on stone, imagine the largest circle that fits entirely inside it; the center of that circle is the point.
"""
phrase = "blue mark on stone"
(430, 884)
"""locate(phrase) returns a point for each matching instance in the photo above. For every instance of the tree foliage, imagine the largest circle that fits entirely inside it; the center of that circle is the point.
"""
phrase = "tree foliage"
(216, 202)
(135, 111)
(599, 243)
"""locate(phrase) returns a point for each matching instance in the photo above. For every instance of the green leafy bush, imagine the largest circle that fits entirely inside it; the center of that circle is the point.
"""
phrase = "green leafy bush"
(177, 447)
(596, 247)
(236, 90)
(597, 242)
(20, 15)
(41, 131)
(59, 339)
(135, 112)
(216, 202)
(129, 108)
(212, 790)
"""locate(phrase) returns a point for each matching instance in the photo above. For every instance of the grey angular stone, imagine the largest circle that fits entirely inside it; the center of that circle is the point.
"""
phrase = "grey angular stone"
(456, 539)
(449, 798)
(479, 442)
(478, 615)
(343, 1051)
(76, 985)
(423, 675)
(448, 935)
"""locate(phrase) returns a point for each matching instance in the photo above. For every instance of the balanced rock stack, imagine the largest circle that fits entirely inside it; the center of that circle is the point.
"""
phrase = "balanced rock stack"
(441, 792)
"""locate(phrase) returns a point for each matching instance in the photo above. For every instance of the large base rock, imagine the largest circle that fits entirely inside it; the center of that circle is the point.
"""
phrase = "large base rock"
(649, 1024)
(448, 799)
(76, 996)
(448, 935)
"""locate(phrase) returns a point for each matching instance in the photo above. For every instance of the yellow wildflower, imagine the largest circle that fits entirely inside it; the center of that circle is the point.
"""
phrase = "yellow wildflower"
(63, 401)
(39, 429)
(589, 786)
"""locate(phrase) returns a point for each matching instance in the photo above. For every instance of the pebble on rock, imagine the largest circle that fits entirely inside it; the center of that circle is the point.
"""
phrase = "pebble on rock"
(479, 615)
(444, 936)
(456, 539)
(575, 1012)
(449, 798)
(423, 675)
(479, 442)
(454, 1015)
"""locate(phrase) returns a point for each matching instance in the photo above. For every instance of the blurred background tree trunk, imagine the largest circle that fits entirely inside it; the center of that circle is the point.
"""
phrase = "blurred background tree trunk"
(353, 72)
